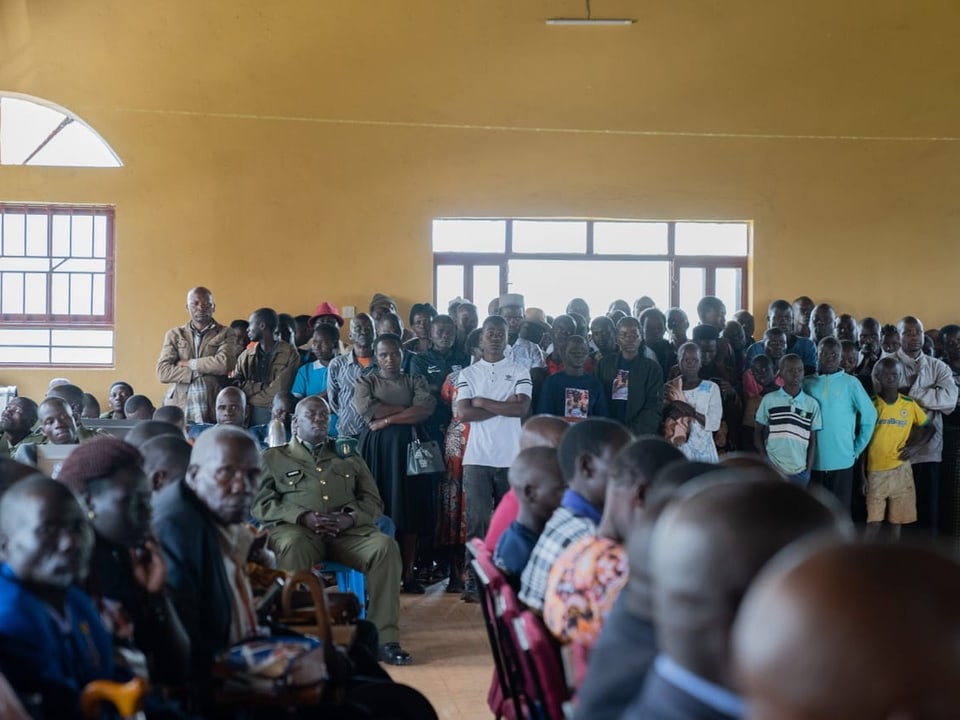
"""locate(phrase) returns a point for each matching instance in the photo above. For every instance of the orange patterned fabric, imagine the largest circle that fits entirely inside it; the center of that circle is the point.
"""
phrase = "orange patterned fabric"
(583, 585)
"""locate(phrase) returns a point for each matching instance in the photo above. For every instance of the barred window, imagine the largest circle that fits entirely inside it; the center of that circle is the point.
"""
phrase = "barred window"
(56, 285)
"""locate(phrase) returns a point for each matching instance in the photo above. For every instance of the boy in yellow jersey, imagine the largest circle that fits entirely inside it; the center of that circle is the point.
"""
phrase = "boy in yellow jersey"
(902, 429)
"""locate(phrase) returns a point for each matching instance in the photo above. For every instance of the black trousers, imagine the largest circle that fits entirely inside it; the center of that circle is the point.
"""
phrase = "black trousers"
(926, 478)
(838, 482)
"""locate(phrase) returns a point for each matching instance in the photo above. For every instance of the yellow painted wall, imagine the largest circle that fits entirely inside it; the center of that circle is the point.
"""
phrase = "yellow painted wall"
(290, 151)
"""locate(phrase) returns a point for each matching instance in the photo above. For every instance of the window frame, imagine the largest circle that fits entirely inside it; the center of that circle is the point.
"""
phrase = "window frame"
(710, 263)
(57, 321)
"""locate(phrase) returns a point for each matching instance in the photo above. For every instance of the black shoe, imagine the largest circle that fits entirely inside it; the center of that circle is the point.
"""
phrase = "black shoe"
(412, 587)
(455, 585)
(470, 596)
(393, 654)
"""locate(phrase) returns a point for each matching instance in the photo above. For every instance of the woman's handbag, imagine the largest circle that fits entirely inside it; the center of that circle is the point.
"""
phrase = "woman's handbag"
(424, 457)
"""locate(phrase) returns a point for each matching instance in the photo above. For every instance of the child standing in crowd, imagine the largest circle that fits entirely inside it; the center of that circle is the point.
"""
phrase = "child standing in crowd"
(902, 429)
(758, 380)
(698, 400)
(787, 424)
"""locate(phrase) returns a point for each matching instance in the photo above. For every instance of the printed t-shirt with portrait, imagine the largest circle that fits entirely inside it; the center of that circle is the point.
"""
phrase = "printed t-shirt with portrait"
(620, 390)
(494, 442)
(894, 422)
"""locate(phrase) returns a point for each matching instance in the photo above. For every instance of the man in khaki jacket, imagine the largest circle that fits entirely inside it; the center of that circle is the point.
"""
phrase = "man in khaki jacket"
(196, 359)
(321, 502)
(267, 368)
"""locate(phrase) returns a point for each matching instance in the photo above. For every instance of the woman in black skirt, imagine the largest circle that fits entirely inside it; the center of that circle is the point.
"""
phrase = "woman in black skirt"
(395, 406)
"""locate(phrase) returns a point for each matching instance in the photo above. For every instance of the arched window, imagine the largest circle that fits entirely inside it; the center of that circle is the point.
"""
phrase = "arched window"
(56, 260)
(37, 132)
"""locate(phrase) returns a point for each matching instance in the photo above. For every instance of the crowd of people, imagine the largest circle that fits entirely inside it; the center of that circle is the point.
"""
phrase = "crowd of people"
(632, 475)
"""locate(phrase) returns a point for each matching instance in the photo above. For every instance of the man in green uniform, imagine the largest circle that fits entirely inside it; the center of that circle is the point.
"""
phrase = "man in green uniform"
(321, 503)
(16, 422)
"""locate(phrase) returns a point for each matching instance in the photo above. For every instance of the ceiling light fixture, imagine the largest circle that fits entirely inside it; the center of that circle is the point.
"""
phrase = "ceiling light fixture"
(589, 20)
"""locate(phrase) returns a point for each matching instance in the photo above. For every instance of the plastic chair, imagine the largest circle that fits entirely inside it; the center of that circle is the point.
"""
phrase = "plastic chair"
(348, 580)
(127, 697)
(544, 668)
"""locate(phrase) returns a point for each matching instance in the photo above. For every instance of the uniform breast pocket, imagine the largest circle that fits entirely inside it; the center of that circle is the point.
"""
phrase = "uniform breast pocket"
(341, 479)
(289, 482)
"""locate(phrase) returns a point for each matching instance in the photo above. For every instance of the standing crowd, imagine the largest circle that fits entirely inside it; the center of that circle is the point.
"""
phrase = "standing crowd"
(631, 476)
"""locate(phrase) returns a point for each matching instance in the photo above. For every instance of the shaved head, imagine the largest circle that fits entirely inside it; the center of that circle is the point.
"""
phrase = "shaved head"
(165, 459)
(543, 430)
(707, 549)
(852, 632)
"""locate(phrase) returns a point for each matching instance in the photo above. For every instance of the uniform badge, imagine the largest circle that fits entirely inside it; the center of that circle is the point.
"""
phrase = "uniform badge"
(346, 446)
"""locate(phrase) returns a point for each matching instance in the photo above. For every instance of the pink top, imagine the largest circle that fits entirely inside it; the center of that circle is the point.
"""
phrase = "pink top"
(505, 513)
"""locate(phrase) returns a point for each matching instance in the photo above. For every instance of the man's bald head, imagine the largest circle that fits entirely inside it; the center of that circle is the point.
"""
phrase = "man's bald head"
(543, 430)
(231, 407)
(200, 306)
(852, 632)
(224, 472)
(536, 479)
(707, 549)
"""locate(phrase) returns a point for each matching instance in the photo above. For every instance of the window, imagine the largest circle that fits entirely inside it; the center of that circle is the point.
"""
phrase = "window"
(37, 132)
(56, 285)
(551, 261)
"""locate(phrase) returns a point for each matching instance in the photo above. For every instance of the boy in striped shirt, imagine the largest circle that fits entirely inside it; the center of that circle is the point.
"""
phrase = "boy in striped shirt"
(788, 421)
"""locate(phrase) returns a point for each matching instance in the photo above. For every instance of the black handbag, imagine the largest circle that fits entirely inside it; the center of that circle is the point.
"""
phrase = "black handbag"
(424, 457)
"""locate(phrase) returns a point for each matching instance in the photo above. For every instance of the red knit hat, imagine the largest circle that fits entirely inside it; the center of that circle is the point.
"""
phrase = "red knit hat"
(97, 458)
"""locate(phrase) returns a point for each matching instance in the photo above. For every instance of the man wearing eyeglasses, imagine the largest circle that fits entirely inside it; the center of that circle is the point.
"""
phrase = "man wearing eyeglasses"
(201, 523)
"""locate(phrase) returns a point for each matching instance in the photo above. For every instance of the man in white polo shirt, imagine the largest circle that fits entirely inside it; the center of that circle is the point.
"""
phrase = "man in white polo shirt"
(493, 395)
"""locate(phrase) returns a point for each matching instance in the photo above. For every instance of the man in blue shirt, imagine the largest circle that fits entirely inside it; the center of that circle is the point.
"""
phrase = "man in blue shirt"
(842, 439)
(54, 643)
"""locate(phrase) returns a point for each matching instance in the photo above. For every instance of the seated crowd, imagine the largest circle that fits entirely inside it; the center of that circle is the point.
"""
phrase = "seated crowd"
(636, 481)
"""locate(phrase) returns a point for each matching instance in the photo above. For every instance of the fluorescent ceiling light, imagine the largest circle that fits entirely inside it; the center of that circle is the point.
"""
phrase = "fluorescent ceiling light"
(590, 21)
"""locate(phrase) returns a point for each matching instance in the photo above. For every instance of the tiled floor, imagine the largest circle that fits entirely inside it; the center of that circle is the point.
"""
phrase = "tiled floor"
(452, 663)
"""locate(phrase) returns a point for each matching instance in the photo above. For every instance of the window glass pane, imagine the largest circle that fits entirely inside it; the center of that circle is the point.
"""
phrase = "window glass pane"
(99, 295)
(701, 238)
(100, 236)
(551, 284)
(76, 146)
(728, 288)
(83, 338)
(81, 356)
(692, 289)
(449, 284)
(629, 238)
(10, 264)
(469, 236)
(13, 231)
(24, 337)
(23, 126)
(88, 266)
(25, 355)
(61, 235)
(81, 229)
(538, 236)
(11, 293)
(81, 288)
(36, 295)
(36, 234)
(486, 286)
(60, 294)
